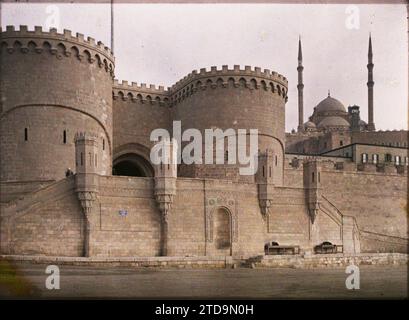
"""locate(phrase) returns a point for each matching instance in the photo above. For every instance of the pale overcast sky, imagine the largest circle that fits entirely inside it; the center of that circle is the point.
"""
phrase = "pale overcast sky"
(161, 43)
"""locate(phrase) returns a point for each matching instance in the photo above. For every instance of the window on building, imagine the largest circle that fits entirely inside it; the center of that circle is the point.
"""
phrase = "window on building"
(407, 161)
(25, 134)
(276, 160)
(341, 143)
(313, 177)
(64, 137)
(364, 157)
(375, 158)
(397, 160)
(388, 157)
(103, 144)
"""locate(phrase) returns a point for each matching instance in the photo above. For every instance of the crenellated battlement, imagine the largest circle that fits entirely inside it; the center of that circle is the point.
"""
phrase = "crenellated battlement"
(394, 130)
(143, 87)
(140, 92)
(58, 44)
(201, 80)
(236, 71)
(236, 77)
(347, 166)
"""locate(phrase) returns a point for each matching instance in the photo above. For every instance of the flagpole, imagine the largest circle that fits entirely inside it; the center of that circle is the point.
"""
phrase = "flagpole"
(112, 26)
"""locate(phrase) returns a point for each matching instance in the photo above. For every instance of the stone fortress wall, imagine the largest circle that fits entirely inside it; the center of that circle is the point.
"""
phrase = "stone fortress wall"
(205, 211)
(52, 223)
(137, 111)
(376, 199)
(233, 98)
(53, 85)
(227, 98)
(394, 138)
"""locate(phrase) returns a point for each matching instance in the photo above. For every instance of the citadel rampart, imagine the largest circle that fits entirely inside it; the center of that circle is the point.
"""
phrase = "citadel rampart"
(72, 113)
(198, 209)
(47, 75)
(375, 197)
(396, 138)
(134, 108)
(233, 98)
(202, 100)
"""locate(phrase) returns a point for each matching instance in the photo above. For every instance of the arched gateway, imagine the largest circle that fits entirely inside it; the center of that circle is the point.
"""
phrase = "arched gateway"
(131, 164)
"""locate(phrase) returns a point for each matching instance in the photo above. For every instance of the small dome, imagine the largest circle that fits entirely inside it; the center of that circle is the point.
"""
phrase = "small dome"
(333, 122)
(330, 104)
(309, 124)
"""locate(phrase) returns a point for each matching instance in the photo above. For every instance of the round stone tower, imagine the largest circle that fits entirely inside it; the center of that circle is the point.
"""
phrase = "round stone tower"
(233, 99)
(52, 86)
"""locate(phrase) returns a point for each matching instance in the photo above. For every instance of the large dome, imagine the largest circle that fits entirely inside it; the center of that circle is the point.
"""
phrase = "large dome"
(333, 122)
(330, 104)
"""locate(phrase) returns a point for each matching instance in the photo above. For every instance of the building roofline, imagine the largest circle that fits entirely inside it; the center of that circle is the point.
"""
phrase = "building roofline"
(315, 155)
(364, 144)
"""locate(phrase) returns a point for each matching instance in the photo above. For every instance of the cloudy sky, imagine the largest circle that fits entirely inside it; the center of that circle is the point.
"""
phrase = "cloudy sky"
(161, 43)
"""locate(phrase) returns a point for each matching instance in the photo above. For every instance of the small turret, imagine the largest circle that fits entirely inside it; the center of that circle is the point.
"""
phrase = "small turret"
(355, 118)
(312, 186)
(165, 184)
(86, 179)
(86, 153)
(264, 179)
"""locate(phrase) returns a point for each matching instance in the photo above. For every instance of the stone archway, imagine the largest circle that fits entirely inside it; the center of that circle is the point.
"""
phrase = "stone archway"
(222, 231)
(132, 164)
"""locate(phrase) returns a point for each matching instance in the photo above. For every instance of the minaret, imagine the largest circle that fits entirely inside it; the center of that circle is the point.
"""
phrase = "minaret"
(300, 87)
(370, 83)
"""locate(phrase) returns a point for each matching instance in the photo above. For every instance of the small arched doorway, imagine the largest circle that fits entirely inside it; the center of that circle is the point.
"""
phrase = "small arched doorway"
(133, 165)
(222, 231)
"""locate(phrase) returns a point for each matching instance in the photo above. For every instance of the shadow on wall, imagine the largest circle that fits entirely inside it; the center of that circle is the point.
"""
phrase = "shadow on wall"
(132, 165)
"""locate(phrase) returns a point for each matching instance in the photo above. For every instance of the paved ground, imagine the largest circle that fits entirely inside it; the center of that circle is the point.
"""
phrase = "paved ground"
(119, 282)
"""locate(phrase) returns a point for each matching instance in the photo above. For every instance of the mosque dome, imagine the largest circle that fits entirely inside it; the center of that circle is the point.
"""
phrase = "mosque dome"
(333, 122)
(330, 104)
(309, 125)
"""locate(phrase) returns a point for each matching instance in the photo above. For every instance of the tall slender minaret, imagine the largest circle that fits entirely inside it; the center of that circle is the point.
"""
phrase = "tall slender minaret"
(370, 83)
(300, 87)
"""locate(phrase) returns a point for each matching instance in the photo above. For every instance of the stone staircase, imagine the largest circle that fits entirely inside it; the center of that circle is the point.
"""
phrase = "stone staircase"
(348, 224)
(34, 199)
